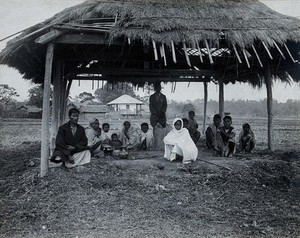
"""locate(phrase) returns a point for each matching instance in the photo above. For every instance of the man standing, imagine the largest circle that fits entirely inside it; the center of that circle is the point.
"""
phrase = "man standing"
(158, 120)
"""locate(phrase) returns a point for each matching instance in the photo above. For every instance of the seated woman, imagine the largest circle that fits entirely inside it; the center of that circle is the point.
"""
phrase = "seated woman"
(179, 142)
(129, 136)
(93, 133)
(246, 139)
(71, 143)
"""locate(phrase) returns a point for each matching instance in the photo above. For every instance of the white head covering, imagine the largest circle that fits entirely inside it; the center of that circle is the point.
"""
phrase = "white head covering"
(183, 140)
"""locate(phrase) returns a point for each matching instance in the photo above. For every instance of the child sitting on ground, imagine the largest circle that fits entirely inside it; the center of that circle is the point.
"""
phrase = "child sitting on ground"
(227, 133)
(116, 144)
(246, 139)
(145, 137)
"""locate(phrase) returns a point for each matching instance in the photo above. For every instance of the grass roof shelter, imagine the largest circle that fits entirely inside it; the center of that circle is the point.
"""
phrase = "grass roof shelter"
(143, 41)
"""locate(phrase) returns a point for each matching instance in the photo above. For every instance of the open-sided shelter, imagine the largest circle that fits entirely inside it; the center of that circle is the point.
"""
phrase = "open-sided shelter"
(143, 41)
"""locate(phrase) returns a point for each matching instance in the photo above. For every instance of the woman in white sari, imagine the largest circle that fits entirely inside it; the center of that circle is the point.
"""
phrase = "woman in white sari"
(179, 142)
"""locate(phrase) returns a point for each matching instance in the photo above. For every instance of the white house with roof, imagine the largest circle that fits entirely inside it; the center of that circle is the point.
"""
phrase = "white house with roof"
(126, 105)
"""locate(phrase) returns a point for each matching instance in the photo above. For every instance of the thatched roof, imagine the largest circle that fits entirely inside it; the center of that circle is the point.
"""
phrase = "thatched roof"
(239, 23)
(125, 99)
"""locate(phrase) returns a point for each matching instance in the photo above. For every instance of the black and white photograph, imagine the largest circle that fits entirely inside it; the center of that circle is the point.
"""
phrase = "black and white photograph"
(149, 118)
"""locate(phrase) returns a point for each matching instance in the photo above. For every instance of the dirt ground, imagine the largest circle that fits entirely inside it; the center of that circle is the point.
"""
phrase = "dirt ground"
(253, 195)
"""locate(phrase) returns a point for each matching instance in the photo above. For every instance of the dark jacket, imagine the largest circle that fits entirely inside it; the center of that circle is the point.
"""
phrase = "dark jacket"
(158, 107)
(65, 137)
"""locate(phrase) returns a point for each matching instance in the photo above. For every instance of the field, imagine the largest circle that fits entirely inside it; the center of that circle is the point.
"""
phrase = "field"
(253, 195)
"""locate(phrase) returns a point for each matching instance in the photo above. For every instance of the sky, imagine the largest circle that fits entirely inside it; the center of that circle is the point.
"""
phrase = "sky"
(17, 15)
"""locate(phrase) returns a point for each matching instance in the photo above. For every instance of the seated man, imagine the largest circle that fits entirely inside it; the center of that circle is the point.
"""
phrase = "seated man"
(213, 138)
(193, 126)
(145, 137)
(246, 139)
(227, 133)
(93, 133)
(71, 143)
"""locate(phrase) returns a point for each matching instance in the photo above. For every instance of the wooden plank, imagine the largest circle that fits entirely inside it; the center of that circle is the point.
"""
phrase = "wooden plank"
(99, 39)
(46, 38)
(237, 54)
(46, 111)
(163, 54)
(257, 56)
(209, 53)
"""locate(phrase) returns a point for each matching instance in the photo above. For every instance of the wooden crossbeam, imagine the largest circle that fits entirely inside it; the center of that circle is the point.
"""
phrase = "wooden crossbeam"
(287, 49)
(279, 50)
(173, 52)
(237, 54)
(186, 55)
(199, 50)
(246, 58)
(154, 50)
(268, 51)
(48, 37)
(209, 53)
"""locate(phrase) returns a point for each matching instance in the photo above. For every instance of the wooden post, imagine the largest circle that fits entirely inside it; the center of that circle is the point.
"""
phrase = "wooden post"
(205, 107)
(221, 98)
(268, 80)
(55, 103)
(46, 111)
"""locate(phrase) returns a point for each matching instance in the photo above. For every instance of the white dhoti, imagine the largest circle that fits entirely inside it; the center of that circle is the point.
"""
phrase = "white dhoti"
(80, 158)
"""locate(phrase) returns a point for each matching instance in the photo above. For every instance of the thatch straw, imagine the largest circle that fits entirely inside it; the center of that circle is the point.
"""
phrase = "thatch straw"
(243, 23)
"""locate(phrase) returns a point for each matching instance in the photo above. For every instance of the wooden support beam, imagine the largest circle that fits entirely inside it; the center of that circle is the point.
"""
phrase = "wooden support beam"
(246, 58)
(205, 107)
(237, 54)
(279, 50)
(46, 111)
(186, 55)
(173, 52)
(57, 77)
(221, 97)
(287, 49)
(46, 38)
(209, 53)
(93, 39)
(268, 51)
(268, 81)
(257, 56)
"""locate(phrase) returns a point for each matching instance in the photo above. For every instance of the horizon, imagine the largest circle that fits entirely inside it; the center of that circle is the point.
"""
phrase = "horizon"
(31, 12)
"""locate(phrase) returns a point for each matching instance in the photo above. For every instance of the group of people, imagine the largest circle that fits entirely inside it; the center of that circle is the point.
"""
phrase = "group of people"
(75, 145)
(220, 137)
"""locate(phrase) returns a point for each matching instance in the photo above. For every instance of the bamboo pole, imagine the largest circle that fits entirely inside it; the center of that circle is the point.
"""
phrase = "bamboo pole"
(208, 51)
(199, 50)
(268, 80)
(269, 53)
(221, 98)
(46, 111)
(163, 54)
(246, 58)
(237, 54)
(186, 55)
(205, 106)
(257, 56)
(173, 52)
(287, 49)
(279, 50)
(154, 50)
